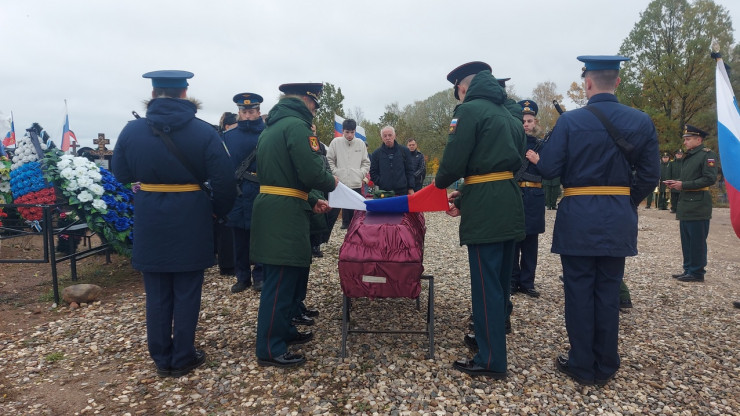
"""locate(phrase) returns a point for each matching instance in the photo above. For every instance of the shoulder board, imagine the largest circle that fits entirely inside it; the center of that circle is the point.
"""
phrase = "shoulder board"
(706, 149)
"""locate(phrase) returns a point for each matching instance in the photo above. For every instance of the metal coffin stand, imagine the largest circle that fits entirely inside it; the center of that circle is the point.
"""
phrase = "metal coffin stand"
(429, 325)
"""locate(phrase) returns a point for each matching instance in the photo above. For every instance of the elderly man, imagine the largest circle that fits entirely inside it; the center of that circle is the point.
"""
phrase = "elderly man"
(593, 150)
(173, 236)
(698, 173)
(290, 166)
(486, 145)
(350, 163)
(390, 165)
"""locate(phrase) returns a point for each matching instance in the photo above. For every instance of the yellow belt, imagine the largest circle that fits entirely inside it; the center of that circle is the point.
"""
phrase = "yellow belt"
(526, 184)
(169, 187)
(597, 190)
(706, 188)
(488, 177)
(279, 190)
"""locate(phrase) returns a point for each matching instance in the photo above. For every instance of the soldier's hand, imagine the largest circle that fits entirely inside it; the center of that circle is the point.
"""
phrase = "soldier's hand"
(453, 211)
(532, 156)
(451, 197)
(321, 207)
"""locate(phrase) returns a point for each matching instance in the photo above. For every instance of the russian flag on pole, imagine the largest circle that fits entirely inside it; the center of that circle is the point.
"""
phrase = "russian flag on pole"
(427, 199)
(9, 139)
(67, 134)
(359, 132)
(728, 133)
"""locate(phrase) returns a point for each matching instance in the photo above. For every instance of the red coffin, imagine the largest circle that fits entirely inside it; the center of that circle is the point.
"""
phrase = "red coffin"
(382, 255)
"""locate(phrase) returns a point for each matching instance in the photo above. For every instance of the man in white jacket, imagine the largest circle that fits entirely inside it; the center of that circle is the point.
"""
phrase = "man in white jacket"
(349, 161)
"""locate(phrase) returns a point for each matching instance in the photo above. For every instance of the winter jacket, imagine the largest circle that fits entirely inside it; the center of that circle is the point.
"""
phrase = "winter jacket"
(173, 231)
(485, 138)
(391, 169)
(348, 161)
(288, 157)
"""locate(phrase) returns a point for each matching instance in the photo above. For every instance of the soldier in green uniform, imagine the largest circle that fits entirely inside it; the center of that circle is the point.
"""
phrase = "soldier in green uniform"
(486, 145)
(290, 167)
(674, 173)
(698, 173)
(665, 169)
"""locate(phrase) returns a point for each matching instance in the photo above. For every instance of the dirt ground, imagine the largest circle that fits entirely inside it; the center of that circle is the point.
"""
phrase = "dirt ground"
(26, 301)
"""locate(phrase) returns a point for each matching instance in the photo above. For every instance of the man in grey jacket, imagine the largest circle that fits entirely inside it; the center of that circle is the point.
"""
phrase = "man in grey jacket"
(349, 161)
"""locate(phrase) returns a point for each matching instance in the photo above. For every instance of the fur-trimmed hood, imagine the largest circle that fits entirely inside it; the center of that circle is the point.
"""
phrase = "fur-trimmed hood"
(168, 114)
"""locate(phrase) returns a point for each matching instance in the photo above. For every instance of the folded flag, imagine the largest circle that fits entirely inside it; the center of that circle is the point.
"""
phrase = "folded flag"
(427, 199)
(728, 133)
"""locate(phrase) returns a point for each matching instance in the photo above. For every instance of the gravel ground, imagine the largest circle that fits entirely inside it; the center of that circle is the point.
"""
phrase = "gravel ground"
(679, 346)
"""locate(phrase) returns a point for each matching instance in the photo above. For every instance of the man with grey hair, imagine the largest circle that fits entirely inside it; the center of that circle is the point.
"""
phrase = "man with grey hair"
(390, 165)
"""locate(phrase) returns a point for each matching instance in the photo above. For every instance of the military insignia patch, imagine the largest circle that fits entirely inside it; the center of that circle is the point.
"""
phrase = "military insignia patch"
(710, 163)
(453, 126)
(314, 142)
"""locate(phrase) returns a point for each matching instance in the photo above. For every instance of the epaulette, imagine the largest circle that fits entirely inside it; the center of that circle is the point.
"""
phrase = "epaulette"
(706, 149)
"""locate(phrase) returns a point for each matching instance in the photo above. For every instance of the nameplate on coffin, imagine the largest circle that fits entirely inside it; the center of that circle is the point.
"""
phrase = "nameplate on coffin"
(373, 279)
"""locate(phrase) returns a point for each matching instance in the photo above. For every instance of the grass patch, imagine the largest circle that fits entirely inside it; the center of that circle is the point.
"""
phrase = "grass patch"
(54, 357)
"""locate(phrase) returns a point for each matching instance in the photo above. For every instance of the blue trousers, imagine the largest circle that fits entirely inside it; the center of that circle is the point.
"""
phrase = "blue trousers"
(694, 246)
(490, 288)
(172, 308)
(592, 314)
(277, 306)
(525, 262)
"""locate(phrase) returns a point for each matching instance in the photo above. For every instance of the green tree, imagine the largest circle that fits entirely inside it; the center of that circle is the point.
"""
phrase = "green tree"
(331, 103)
(671, 76)
(428, 122)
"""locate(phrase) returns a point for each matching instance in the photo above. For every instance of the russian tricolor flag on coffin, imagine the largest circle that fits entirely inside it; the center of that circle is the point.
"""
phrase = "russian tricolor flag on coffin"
(427, 199)
(359, 132)
(728, 133)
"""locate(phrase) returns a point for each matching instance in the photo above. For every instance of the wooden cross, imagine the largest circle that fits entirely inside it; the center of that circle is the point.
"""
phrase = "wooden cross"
(101, 141)
(74, 147)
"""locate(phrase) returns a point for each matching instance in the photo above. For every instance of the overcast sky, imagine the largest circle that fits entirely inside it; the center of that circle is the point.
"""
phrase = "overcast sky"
(93, 53)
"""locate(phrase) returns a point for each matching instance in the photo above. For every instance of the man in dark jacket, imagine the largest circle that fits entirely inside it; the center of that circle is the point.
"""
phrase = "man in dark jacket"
(486, 145)
(390, 165)
(173, 232)
(596, 223)
(242, 144)
(418, 164)
(698, 173)
(290, 167)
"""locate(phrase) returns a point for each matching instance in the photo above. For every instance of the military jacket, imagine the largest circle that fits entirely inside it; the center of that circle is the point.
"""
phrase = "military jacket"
(582, 153)
(698, 170)
(485, 138)
(173, 231)
(665, 171)
(288, 157)
(533, 198)
(674, 171)
(240, 142)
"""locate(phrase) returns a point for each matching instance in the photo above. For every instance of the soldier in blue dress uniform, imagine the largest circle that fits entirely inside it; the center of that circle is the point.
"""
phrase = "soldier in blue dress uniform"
(173, 232)
(596, 223)
(533, 197)
(241, 143)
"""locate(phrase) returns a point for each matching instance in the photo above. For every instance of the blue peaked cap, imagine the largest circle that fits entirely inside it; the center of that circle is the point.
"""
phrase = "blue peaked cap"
(602, 62)
(169, 78)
